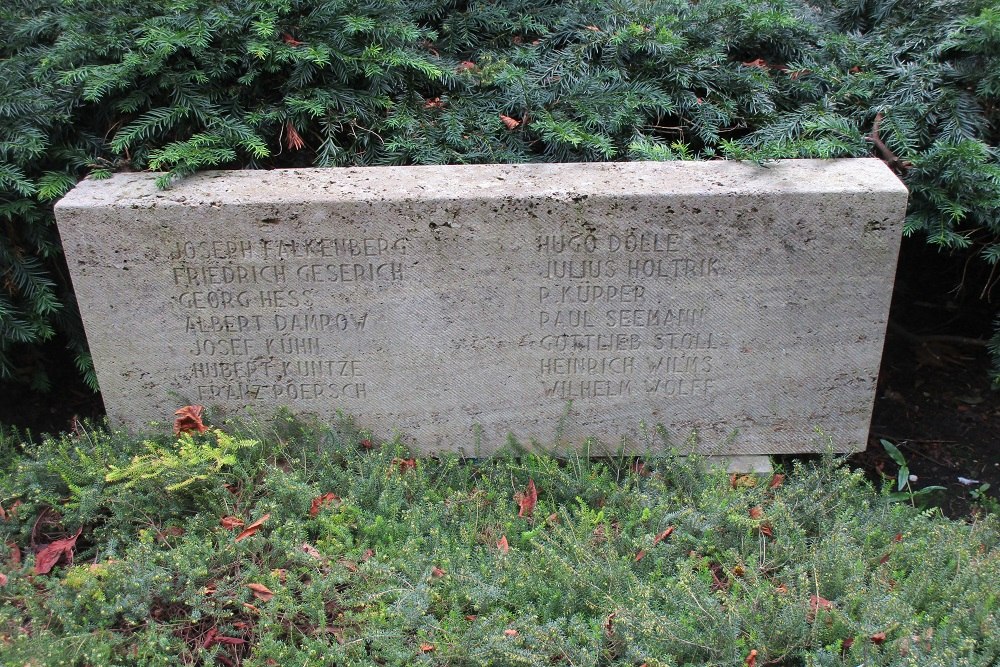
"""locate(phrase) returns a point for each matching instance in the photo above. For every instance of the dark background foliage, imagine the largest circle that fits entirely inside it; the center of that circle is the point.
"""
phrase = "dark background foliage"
(95, 86)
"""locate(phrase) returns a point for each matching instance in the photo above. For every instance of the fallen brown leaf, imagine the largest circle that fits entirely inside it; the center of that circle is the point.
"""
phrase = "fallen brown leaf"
(261, 592)
(15, 554)
(252, 528)
(776, 481)
(426, 648)
(52, 553)
(503, 545)
(756, 512)
(510, 123)
(640, 555)
(320, 501)
(188, 419)
(511, 632)
(815, 604)
(231, 522)
(527, 500)
(3, 579)
(751, 660)
(310, 550)
(878, 638)
(437, 572)
(664, 535)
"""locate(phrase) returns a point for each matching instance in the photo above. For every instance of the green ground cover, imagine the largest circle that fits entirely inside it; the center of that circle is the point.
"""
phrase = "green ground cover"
(300, 545)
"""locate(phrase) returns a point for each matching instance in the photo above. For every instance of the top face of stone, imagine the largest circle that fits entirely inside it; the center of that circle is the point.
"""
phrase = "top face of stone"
(461, 304)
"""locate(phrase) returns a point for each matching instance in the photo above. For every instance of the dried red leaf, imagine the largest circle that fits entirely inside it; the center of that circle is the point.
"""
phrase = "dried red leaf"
(765, 529)
(188, 419)
(740, 481)
(310, 550)
(777, 480)
(796, 74)
(758, 62)
(466, 66)
(426, 648)
(502, 545)
(609, 628)
(319, 501)
(640, 555)
(3, 579)
(231, 488)
(815, 604)
(231, 522)
(349, 565)
(291, 41)
(404, 464)
(210, 637)
(15, 554)
(756, 512)
(261, 592)
(751, 660)
(877, 638)
(437, 572)
(846, 645)
(739, 571)
(511, 123)
(52, 553)
(252, 528)
(367, 443)
(3, 513)
(592, 28)
(366, 556)
(526, 501)
(511, 632)
(855, 70)
(781, 588)
(471, 617)
(435, 103)
(664, 535)
(295, 141)
(232, 641)
(898, 537)
(884, 559)
(252, 609)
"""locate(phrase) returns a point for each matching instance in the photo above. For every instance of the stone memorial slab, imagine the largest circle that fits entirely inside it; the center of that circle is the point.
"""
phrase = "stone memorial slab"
(460, 305)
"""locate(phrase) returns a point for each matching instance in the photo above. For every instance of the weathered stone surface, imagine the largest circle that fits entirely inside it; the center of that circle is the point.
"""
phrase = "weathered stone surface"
(462, 304)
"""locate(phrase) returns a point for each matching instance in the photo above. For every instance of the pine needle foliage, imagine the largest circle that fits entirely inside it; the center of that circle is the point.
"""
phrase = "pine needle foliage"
(95, 86)
(368, 557)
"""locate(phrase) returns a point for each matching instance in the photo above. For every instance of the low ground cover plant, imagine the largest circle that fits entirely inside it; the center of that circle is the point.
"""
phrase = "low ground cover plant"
(301, 545)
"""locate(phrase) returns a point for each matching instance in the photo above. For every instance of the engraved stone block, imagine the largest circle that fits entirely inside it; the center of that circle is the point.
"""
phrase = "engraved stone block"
(633, 302)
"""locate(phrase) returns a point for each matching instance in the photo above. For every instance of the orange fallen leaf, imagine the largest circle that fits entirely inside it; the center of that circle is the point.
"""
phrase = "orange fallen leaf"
(291, 41)
(426, 648)
(15, 554)
(592, 28)
(511, 632)
(52, 553)
(739, 571)
(765, 529)
(295, 141)
(640, 555)
(898, 537)
(261, 592)
(815, 604)
(664, 535)
(776, 481)
(310, 550)
(319, 501)
(434, 103)
(526, 501)
(466, 66)
(609, 627)
(252, 528)
(756, 512)
(349, 565)
(188, 419)
(781, 588)
(404, 464)
(3, 579)
(367, 443)
(758, 62)
(503, 545)
(249, 607)
(751, 660)
(740, 481)
(230, 522)
(471, 617)
(437, 572)
(878, 638)
(511, 123)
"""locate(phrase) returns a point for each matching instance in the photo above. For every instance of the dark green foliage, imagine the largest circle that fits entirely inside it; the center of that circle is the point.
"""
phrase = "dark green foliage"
(403, 567)
(96, 86)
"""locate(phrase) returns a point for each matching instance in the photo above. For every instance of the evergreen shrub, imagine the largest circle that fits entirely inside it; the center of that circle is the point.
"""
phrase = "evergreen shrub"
(95, 86)
(363, 556)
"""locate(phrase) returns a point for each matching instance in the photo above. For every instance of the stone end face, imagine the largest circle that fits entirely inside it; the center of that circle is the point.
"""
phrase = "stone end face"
(634, 303)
